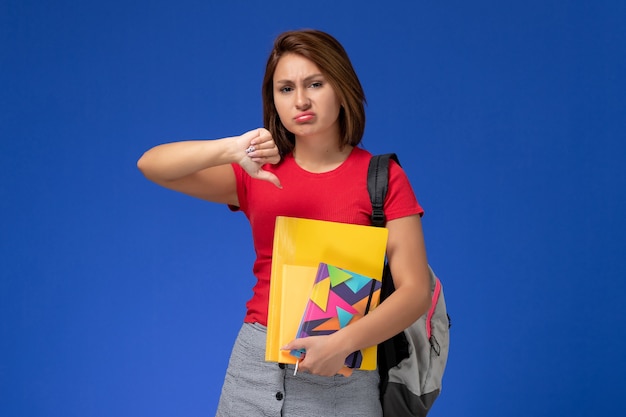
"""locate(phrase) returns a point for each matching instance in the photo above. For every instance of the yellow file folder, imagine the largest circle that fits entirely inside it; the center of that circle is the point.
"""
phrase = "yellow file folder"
(299, 247)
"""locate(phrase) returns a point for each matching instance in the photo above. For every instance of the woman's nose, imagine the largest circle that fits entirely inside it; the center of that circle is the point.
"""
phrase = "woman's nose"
(302, 99)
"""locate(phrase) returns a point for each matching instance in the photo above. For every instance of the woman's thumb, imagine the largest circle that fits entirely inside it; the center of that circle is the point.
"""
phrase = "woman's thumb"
(268, 176)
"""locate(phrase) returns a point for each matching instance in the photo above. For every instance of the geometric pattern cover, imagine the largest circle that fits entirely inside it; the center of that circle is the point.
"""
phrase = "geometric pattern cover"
(338, 298)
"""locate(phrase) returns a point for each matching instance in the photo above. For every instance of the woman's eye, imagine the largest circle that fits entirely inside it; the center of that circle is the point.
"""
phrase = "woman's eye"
(316, 84)
(285, 89)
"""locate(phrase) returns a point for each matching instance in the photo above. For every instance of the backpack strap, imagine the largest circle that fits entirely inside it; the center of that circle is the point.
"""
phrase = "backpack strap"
(395, 349)
(377, 185)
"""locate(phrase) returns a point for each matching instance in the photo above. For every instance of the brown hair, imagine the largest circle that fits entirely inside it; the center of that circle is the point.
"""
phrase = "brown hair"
(331, 58)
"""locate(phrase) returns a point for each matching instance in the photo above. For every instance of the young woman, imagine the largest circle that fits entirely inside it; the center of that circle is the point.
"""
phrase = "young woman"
(314, 119)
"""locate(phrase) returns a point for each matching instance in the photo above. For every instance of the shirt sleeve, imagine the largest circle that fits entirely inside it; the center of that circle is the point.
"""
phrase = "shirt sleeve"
(400, 200)
(241, 177)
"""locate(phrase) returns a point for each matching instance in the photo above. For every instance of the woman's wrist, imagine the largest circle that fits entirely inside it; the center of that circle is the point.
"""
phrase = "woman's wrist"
(342, 343)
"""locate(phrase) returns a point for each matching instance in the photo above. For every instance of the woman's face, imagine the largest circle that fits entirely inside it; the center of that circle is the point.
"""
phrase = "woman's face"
(305, 101)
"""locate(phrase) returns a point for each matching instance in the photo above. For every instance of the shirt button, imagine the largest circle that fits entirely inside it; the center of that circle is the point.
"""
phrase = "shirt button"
(279, 396)
(281, 365)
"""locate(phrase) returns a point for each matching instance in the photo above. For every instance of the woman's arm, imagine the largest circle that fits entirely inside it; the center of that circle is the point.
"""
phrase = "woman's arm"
(406, 254)
(201, 168)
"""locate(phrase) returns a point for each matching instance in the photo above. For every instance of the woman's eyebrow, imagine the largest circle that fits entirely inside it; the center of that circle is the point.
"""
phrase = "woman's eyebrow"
(306, 79)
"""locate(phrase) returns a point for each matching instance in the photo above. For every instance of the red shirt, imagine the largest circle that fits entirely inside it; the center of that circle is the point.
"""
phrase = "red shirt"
(339, 195)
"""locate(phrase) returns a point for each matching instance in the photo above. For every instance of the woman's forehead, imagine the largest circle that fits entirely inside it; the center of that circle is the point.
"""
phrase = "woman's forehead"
(293, 66)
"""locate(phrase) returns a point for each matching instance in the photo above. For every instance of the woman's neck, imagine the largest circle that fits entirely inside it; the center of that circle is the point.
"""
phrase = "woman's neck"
(318, 157)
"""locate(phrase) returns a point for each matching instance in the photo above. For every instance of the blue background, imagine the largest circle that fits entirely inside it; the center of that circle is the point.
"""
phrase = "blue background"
(119, 298)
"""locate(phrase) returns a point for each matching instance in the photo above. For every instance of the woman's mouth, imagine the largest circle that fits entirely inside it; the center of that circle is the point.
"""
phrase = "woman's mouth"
(304, 117)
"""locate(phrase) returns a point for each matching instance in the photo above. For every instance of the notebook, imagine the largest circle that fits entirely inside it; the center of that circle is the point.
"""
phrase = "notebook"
(338, 298)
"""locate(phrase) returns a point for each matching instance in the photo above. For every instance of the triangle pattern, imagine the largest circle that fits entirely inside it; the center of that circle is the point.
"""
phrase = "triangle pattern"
(344, 317)
(330, 324)
(337, 276)
(357, 282)
(335, 301)
(319, 293)
(360, 306)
